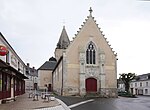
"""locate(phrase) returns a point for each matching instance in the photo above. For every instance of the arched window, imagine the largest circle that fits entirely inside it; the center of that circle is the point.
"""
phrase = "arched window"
(90, 54)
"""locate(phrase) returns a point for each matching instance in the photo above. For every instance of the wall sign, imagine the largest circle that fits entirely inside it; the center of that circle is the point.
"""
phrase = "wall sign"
(3, 50)
(13, 61)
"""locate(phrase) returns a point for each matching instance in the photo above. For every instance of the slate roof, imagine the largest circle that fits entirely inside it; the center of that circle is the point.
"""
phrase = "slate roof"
(63, 40)
(49, 65)
(33, 72)
(142, 77)
(119, 81)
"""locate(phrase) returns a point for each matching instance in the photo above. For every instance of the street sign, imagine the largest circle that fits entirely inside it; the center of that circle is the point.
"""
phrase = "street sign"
(3, 50)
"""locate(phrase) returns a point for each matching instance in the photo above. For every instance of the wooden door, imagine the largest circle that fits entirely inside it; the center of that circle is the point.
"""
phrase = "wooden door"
(91, 85)
(49, 87)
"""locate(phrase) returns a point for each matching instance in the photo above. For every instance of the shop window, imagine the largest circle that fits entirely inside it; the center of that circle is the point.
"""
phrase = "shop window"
(15, 85)
(8, 83)
(4, 82)
(19, 85)
(0, 82)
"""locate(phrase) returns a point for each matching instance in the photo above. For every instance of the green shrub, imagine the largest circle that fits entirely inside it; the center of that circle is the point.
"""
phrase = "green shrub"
(126, 94)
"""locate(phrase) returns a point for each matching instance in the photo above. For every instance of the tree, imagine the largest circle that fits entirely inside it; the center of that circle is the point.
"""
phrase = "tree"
(126, 78)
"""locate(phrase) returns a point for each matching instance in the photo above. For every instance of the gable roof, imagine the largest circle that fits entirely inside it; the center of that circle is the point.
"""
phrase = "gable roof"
(63, 40)
(49, 65)
(90, 18)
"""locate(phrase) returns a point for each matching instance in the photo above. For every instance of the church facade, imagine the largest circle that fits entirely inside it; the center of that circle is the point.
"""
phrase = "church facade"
(85, 65)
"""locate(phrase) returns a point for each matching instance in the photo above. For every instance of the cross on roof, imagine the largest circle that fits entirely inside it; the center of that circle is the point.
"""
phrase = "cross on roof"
(91, 11)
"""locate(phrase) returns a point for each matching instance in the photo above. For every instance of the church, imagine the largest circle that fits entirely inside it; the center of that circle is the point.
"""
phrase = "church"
(87, 64)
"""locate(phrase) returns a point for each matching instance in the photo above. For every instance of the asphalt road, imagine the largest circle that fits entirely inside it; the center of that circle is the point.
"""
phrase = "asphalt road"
(77, 103)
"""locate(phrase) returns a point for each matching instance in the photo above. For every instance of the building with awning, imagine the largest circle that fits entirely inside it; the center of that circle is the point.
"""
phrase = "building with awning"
(12, 72)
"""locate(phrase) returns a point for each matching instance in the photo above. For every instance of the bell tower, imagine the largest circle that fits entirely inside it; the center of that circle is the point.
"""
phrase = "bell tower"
(62, 44)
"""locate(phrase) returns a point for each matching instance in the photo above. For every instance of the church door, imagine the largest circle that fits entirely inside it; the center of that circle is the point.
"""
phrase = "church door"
(91, 85)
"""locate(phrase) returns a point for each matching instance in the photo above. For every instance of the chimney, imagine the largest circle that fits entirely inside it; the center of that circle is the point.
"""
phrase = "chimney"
(28, 64)
(27, 68)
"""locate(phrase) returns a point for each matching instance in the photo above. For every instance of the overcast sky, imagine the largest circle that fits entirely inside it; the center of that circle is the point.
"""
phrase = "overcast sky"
(33, 28)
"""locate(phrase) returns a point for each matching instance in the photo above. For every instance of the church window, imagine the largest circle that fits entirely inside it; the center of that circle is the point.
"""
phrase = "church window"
(90, 54)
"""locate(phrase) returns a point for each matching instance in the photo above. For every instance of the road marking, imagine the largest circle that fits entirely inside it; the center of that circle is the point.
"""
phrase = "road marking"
(59, 107)
(80, 103)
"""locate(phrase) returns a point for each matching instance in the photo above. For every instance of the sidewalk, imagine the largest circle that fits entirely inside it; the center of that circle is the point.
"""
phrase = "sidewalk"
(25, 103)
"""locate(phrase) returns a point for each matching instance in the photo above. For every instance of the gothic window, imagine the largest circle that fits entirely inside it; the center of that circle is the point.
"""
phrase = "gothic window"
(91, 54)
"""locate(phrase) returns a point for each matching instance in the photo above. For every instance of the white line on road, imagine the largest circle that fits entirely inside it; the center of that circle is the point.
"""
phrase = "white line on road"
(77, 104)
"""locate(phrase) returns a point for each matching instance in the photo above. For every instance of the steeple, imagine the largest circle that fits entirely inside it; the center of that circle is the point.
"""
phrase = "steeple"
(63, 40)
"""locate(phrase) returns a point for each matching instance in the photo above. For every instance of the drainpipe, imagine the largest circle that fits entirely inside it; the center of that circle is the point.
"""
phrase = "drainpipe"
(62, 77)
(116, 71)
(52, 82)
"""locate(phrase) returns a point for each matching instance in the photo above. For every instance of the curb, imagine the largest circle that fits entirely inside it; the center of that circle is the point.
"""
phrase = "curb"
(63, 104)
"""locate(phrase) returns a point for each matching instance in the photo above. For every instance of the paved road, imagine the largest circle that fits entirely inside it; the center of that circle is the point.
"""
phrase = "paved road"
(140, 103)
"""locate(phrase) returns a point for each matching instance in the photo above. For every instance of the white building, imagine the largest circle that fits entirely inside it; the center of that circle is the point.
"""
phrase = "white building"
(141, 85)
(32, 74)
(120, 85)
(12, 72)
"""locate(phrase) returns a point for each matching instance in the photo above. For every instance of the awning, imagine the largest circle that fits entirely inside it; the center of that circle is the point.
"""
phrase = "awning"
(3, 64)
(18, 74)
(10, 70)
